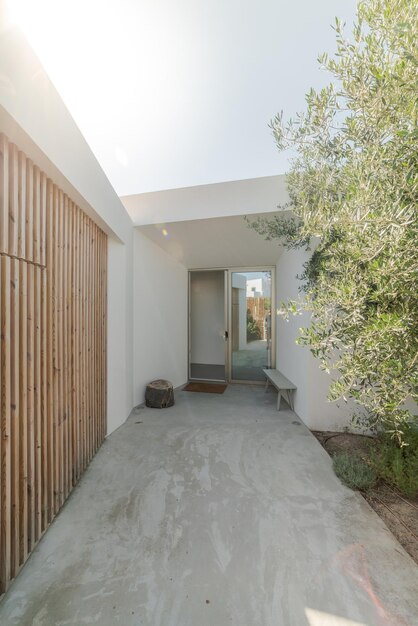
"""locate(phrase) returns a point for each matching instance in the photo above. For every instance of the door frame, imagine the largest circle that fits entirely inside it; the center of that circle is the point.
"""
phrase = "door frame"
(228, 271)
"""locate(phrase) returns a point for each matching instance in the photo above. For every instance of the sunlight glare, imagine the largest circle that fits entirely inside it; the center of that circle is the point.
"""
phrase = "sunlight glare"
(121, 156)
(86, 49)
(107, 66)
(320, 618)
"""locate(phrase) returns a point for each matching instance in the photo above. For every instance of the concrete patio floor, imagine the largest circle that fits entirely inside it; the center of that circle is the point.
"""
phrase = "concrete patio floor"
(217, 511)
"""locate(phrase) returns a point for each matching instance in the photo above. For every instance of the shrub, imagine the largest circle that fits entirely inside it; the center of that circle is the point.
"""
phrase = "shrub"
(353, 471)
(253, 331)
(396, 464)
(353, 188)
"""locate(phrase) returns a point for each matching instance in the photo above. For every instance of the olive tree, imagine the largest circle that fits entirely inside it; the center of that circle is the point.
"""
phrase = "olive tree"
(353, 189)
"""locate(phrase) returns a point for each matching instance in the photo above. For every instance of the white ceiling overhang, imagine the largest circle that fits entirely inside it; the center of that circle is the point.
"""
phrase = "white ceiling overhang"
(214, 242)
(230, 198)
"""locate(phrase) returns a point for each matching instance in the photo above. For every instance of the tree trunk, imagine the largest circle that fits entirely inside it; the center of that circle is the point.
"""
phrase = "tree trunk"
(159, 394)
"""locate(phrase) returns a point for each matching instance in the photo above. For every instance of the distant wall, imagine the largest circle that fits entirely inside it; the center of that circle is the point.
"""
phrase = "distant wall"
(160, 287)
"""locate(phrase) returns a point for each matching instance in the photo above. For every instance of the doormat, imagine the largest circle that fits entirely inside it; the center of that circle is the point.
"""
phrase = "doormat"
(205, 387)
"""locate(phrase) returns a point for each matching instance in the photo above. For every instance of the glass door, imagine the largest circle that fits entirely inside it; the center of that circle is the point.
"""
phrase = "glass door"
(251, 324)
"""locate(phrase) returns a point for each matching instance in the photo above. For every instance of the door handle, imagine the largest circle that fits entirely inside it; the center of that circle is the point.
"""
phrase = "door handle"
(226, 335)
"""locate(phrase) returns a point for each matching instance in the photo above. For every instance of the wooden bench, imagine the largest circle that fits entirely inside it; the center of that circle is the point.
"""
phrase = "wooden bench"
(284, 387)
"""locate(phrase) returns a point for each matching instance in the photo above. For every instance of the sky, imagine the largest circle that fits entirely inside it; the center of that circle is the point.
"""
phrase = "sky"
(176, 93)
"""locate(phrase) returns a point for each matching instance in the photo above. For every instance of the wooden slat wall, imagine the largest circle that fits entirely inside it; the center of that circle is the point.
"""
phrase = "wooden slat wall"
(53, 276)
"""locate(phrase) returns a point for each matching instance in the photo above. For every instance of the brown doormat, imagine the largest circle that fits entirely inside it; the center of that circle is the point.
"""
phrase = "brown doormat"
(205, 387)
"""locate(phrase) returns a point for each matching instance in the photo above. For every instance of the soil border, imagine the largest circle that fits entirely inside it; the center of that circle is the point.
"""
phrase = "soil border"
(399, 513)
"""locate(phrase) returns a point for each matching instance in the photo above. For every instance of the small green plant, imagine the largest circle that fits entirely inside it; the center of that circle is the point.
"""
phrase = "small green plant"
(396, 464)
(253, 331)
(353, 471)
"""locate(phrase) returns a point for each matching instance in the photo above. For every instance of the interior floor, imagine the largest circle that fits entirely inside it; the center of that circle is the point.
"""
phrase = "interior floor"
(207, 371)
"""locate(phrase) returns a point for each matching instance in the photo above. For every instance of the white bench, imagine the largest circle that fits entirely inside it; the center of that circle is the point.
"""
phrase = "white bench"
(284, 387)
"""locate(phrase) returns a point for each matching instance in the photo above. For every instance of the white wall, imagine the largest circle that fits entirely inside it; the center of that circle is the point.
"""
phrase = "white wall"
(160, 286)
(297, 363)
(119, 332)
(34, 117)
(207, 300)
(257, 287)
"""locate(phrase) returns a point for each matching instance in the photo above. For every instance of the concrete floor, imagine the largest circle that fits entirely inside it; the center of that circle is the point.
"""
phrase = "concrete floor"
(217, 511)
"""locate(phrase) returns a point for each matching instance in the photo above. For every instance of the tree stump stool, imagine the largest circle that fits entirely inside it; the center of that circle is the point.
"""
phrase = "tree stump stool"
(159, 394)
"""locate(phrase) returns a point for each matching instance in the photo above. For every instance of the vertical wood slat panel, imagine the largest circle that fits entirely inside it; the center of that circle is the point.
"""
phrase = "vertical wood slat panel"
(102, 312)
(70, 419)
(77, 345)
(86, 334)
(30, 419)
(71, 338)
(29, 243)
(98, 341)
(13, 200)
(4, 575)
(74, 336)
(22, 205)
(36, 236)
(90, 335)
(104, 265)
(102, 326)
(95, 342)
(89, 338)
(50, 338)
(68, 246)
(4, 195)
(54, 304)
(21, 248)
(42, 219)
(67, 347)
(44, 404)
(97, 348)
(5, 424)
(44, 452)
(23, 500)
(84, 348)
(15, 413)
(64, 331)
(60, 348)
(37, 479)
(100, 345)
(53, 270)
(82, 400)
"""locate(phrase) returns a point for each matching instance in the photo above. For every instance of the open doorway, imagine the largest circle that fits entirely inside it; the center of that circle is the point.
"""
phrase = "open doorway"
(231, 327)
(251, 324)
